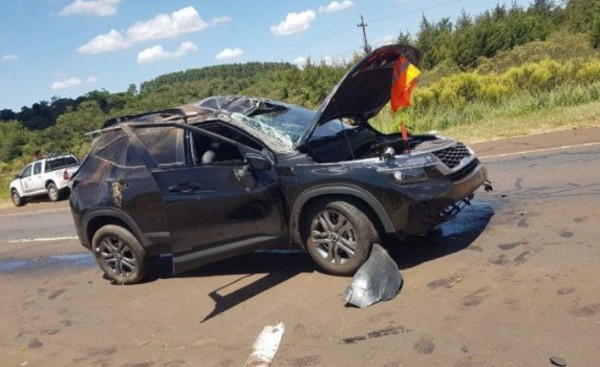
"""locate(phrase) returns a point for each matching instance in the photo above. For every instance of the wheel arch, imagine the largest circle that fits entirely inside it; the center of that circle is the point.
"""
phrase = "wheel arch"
(48, 182)
(361, 197)
(95, 220)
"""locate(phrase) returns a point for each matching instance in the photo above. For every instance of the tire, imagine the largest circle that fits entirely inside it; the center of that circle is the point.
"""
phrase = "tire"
(339, 236)
(53, 193)
(120, 255)
(16, 198)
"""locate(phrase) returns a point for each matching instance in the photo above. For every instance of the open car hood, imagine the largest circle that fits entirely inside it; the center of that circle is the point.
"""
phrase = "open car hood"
(364, 90)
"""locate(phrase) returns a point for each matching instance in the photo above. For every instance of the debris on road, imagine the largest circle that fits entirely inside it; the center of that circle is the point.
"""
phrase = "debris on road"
(266, 346)
(379, 279)
(557, 361)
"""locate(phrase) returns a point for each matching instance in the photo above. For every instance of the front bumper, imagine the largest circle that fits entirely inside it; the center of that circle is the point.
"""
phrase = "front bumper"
(425, 213)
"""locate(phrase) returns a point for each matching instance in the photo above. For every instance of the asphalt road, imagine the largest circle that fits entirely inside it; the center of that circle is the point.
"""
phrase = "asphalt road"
(513, 280)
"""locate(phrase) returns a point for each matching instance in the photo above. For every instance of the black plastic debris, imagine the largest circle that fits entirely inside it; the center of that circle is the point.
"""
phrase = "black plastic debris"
(377, 280)
(557, 361)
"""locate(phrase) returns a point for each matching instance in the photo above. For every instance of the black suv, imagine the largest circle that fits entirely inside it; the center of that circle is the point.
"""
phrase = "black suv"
(229, 175)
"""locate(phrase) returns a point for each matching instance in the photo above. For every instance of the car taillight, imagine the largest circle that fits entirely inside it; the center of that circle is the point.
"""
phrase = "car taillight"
(65, 175)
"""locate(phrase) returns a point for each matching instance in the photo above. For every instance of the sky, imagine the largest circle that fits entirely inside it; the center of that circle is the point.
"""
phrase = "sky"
(67, 48)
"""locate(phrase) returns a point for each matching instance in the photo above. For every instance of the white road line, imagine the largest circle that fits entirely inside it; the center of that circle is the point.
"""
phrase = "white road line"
(34, 212)
(540, 150)
(43, 239)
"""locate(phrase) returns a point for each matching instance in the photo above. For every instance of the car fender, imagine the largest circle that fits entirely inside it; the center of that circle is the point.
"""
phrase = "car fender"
(16, 185)
(328, 190)
(113, 213)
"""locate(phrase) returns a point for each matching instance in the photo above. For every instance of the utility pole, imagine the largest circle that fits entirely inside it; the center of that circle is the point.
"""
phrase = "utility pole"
(364, 25)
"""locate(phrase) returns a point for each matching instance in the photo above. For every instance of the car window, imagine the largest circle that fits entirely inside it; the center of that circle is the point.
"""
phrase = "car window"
(207, 151)
(26, 172)
(37, 168)
(165, 144)
(59, 163)
(121, 152)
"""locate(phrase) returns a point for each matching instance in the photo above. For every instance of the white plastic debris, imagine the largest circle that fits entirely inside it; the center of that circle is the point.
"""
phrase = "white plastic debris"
(266, 346)
(379, 279)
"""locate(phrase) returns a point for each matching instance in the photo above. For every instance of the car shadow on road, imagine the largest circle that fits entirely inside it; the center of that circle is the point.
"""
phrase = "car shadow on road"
(277, 267)
(448, 238)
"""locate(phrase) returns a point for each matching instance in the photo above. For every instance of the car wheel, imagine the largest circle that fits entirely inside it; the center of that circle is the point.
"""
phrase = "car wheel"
(339, 237)
(53, 193)
(16, 198)
(119, 254)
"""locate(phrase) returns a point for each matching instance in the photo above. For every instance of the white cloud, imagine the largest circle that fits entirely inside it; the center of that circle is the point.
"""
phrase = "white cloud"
(385, 40)
(294, 23)
(72, 82)
(182, 21)
(69, 83)
(10, 57)
(158, 53)
(336, 6)
(219, 20)
(328, 60)
(229, 53)
(102, 8)
(111, 41)
(300, 61)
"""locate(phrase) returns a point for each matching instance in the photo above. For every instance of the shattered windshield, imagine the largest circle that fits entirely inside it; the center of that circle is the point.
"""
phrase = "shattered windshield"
(284, 126)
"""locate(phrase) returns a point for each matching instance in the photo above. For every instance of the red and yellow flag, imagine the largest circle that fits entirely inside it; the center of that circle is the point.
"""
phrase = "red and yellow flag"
(404, 79)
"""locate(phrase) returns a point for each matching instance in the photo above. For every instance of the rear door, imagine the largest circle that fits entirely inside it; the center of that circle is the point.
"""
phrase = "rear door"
(216, 205)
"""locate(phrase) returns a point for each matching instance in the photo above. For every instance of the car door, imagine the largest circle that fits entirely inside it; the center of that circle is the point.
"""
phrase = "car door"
(36, 181)
(26, 178)
(216, 205)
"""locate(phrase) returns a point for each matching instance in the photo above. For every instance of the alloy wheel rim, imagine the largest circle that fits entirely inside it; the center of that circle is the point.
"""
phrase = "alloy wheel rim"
(117, 256)
(333, 237)
(16, 198)
(53, 193)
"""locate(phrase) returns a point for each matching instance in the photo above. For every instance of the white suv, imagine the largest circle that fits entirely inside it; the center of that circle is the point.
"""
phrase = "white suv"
(49, 175)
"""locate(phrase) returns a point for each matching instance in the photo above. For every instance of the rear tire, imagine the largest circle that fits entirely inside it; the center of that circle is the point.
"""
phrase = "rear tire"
(16, 198)
(339, 236)
(120, 255)
(53, 193)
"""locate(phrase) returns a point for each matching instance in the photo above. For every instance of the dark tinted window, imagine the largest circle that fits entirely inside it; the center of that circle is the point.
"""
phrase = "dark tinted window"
(120, 152)
(54, 164)
(37, 168)
(165, 144)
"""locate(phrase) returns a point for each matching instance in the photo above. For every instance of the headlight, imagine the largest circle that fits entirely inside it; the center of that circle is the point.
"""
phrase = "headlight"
(410, 175)
(408, 169)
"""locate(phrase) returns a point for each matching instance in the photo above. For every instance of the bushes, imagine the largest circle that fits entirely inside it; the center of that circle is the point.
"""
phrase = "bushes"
(459, 90)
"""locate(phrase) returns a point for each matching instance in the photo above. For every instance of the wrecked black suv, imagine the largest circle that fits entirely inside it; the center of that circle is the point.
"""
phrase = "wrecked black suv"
(229, 175)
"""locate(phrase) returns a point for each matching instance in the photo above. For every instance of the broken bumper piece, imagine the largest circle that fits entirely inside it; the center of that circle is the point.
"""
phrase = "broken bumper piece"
(377, 280)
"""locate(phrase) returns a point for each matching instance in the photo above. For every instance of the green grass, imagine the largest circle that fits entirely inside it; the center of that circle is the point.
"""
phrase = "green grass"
(4, 194)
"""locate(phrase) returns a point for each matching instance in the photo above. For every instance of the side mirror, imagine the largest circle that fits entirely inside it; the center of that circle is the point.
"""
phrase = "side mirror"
(258, 161)
(18, 175)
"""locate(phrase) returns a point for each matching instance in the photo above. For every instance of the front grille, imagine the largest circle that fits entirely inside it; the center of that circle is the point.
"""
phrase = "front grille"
(453, 155)
(465, 171)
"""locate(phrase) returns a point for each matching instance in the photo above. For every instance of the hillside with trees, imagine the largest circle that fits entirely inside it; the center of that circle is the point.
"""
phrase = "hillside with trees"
(507, 63)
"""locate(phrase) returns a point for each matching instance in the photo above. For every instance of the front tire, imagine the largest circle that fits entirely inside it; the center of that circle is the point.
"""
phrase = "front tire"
(339, 236)
(16, 198)
(120, 255)
(53, 193)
